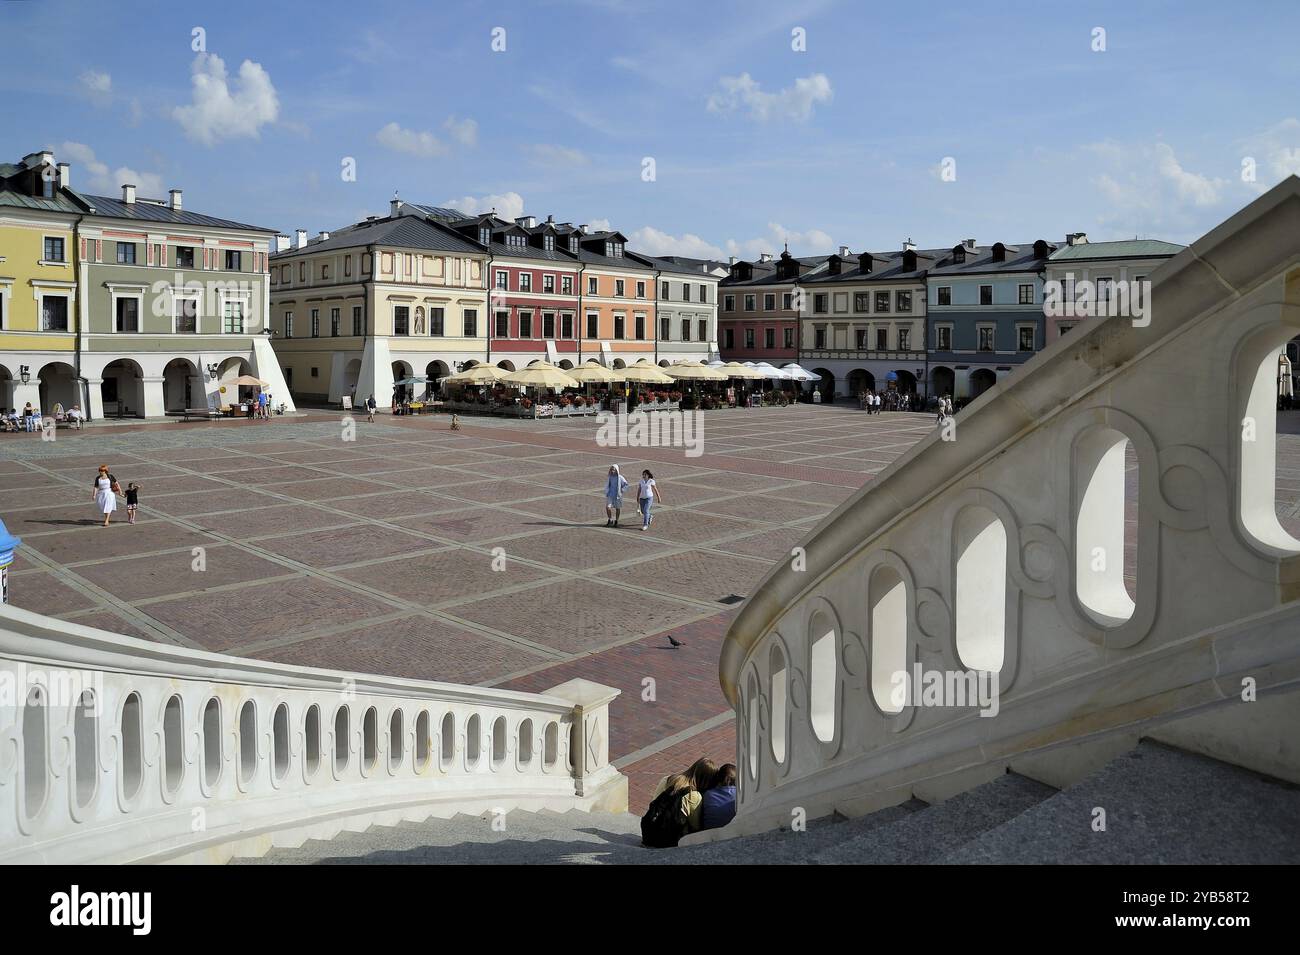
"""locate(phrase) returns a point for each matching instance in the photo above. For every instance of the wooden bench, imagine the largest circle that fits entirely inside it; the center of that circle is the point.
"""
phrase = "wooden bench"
(203, 414)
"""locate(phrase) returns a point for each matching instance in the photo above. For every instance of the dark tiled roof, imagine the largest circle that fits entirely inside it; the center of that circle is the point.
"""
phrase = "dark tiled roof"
(407, 232)
(979, 261)
(666, 264)
(142, 211)
(1122, 249)
(885, 267)
(500, 249)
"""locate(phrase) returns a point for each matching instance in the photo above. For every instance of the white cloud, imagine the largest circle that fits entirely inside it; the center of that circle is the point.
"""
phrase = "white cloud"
(509, 205)
(792, 103)
(464, 131)
(549, 154)
(599, 225)
(423, 144)
(1200, 190)
(1276, 152)
(809, 242)
(219, 112)
(100, 179)
(96, 83)
(651, 241)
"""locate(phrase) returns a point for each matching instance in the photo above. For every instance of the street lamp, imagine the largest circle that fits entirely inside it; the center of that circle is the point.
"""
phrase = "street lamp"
(212, 371)
(25, 373)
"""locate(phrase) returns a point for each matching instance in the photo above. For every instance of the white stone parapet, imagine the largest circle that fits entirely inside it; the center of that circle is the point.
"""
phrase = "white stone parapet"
(115, 749)
(993, 554)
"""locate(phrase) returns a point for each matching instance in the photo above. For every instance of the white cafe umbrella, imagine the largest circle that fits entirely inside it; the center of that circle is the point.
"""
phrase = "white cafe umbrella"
(799, 373)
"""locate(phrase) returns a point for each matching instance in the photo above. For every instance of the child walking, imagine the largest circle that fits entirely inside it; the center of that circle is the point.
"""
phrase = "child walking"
(647, 493)
(132, 501)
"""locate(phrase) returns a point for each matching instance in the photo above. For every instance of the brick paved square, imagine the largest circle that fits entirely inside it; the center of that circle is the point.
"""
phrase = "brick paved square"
(474, 524)
(344, 545)
(112, 621)
(694, 574)
(268, 521)
(450, 574)
(120, 539)
(688, 526)
(569, 508)
(771, 544)
(577, 615)
(323, 489)
(765, 507)
(583, 548)
(143, 578)
(264, 611)
(393, 505)
(44, 592)
(415, 647)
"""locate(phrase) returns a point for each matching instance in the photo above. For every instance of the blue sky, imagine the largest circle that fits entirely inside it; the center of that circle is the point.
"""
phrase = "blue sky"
(753, 142)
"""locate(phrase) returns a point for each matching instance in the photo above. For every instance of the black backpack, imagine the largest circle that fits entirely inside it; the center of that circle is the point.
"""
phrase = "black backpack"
(664, 824)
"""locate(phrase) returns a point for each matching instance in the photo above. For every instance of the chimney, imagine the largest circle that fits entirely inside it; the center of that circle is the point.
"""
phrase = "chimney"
(970, 244)
(583, 227)
(765, 257)
(175, 196)
(393, 206)
(128, 193)
(282, 243)
(526, 221)
(1076, 238)
(844, 251)
(550, 220)
(324, 235)
(302, 238)
(910, 246)
(65, 176)
(731, 260)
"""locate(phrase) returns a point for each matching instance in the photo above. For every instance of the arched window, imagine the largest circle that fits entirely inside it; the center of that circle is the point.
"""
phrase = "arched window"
(780, 703)
(822, 678)
(887, 599)
(981, 588)
(1106, 497)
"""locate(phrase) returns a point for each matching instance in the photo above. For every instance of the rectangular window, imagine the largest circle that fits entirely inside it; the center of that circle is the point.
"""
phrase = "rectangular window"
(945, 295)
(358, 322)
(470, 322)
(789, 338)
(1026, 339)
(503, 280)
(401, 321)
(749, 303)
(436, 321)
(728, 338)
(566, 284)
(986, 294)
(665, 328)
(787, 301)
(233, 261)
(986, 339)
(686, 292)
(729, 303)
(619, 286)
(861, 338)
(593, 324)
(686, 329)
(232, 321)
(640, 290)
(640, 327)
(861, 302)
(882, 339)
(819, 338)
(525, 324)
(503, 324)
(288, 325)
(1026, 295)
(566, 325)
(882, 302)
(325, 270)
(943, 338)
(769, 302)
(703, 330)
(128, 314)
(749, 338)
(548, 284)
(618, 326)
(54, 249)
(187, 317)
(185, 256)
(347, 265)
(704, 294)
(126, 253)
(334, 322)
(525, 281)
(769, 338)
(904, 339)
(821, 303)
(591, 285)
(902, 301)
(302, 271)
(1103, 288)
(663, 291)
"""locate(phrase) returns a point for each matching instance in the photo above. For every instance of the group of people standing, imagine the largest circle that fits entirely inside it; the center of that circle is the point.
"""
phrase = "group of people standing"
(945, 409)
(874, 402)
(647, 493)
(703, 797)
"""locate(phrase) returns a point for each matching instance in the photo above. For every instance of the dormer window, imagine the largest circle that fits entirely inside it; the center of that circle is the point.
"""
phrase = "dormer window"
(485, 236)
(959, 255)
(999, 252)
(573, 243)
(548, 243)
(614, 250)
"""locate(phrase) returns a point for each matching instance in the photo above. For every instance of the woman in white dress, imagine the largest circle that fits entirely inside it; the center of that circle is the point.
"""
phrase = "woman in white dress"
(105, 493)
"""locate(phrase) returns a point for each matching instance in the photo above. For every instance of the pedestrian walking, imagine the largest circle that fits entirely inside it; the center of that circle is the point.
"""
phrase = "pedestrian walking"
(370, 408)
(132, 501)
(104, 492)
(615, 487)
(646, 495)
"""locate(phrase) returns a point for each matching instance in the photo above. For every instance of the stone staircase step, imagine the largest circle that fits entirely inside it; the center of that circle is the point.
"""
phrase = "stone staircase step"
(939, 828)
(1163, 806)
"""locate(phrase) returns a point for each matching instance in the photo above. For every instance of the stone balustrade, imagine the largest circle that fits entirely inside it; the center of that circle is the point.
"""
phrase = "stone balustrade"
(968, 611)
(114, 749)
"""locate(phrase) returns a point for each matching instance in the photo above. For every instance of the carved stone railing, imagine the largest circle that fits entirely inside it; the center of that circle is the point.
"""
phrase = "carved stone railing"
(999, 549)
(114, 749)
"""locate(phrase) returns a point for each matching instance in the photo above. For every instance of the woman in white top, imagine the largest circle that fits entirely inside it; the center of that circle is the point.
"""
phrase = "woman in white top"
(105, 493)
(647, 492)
